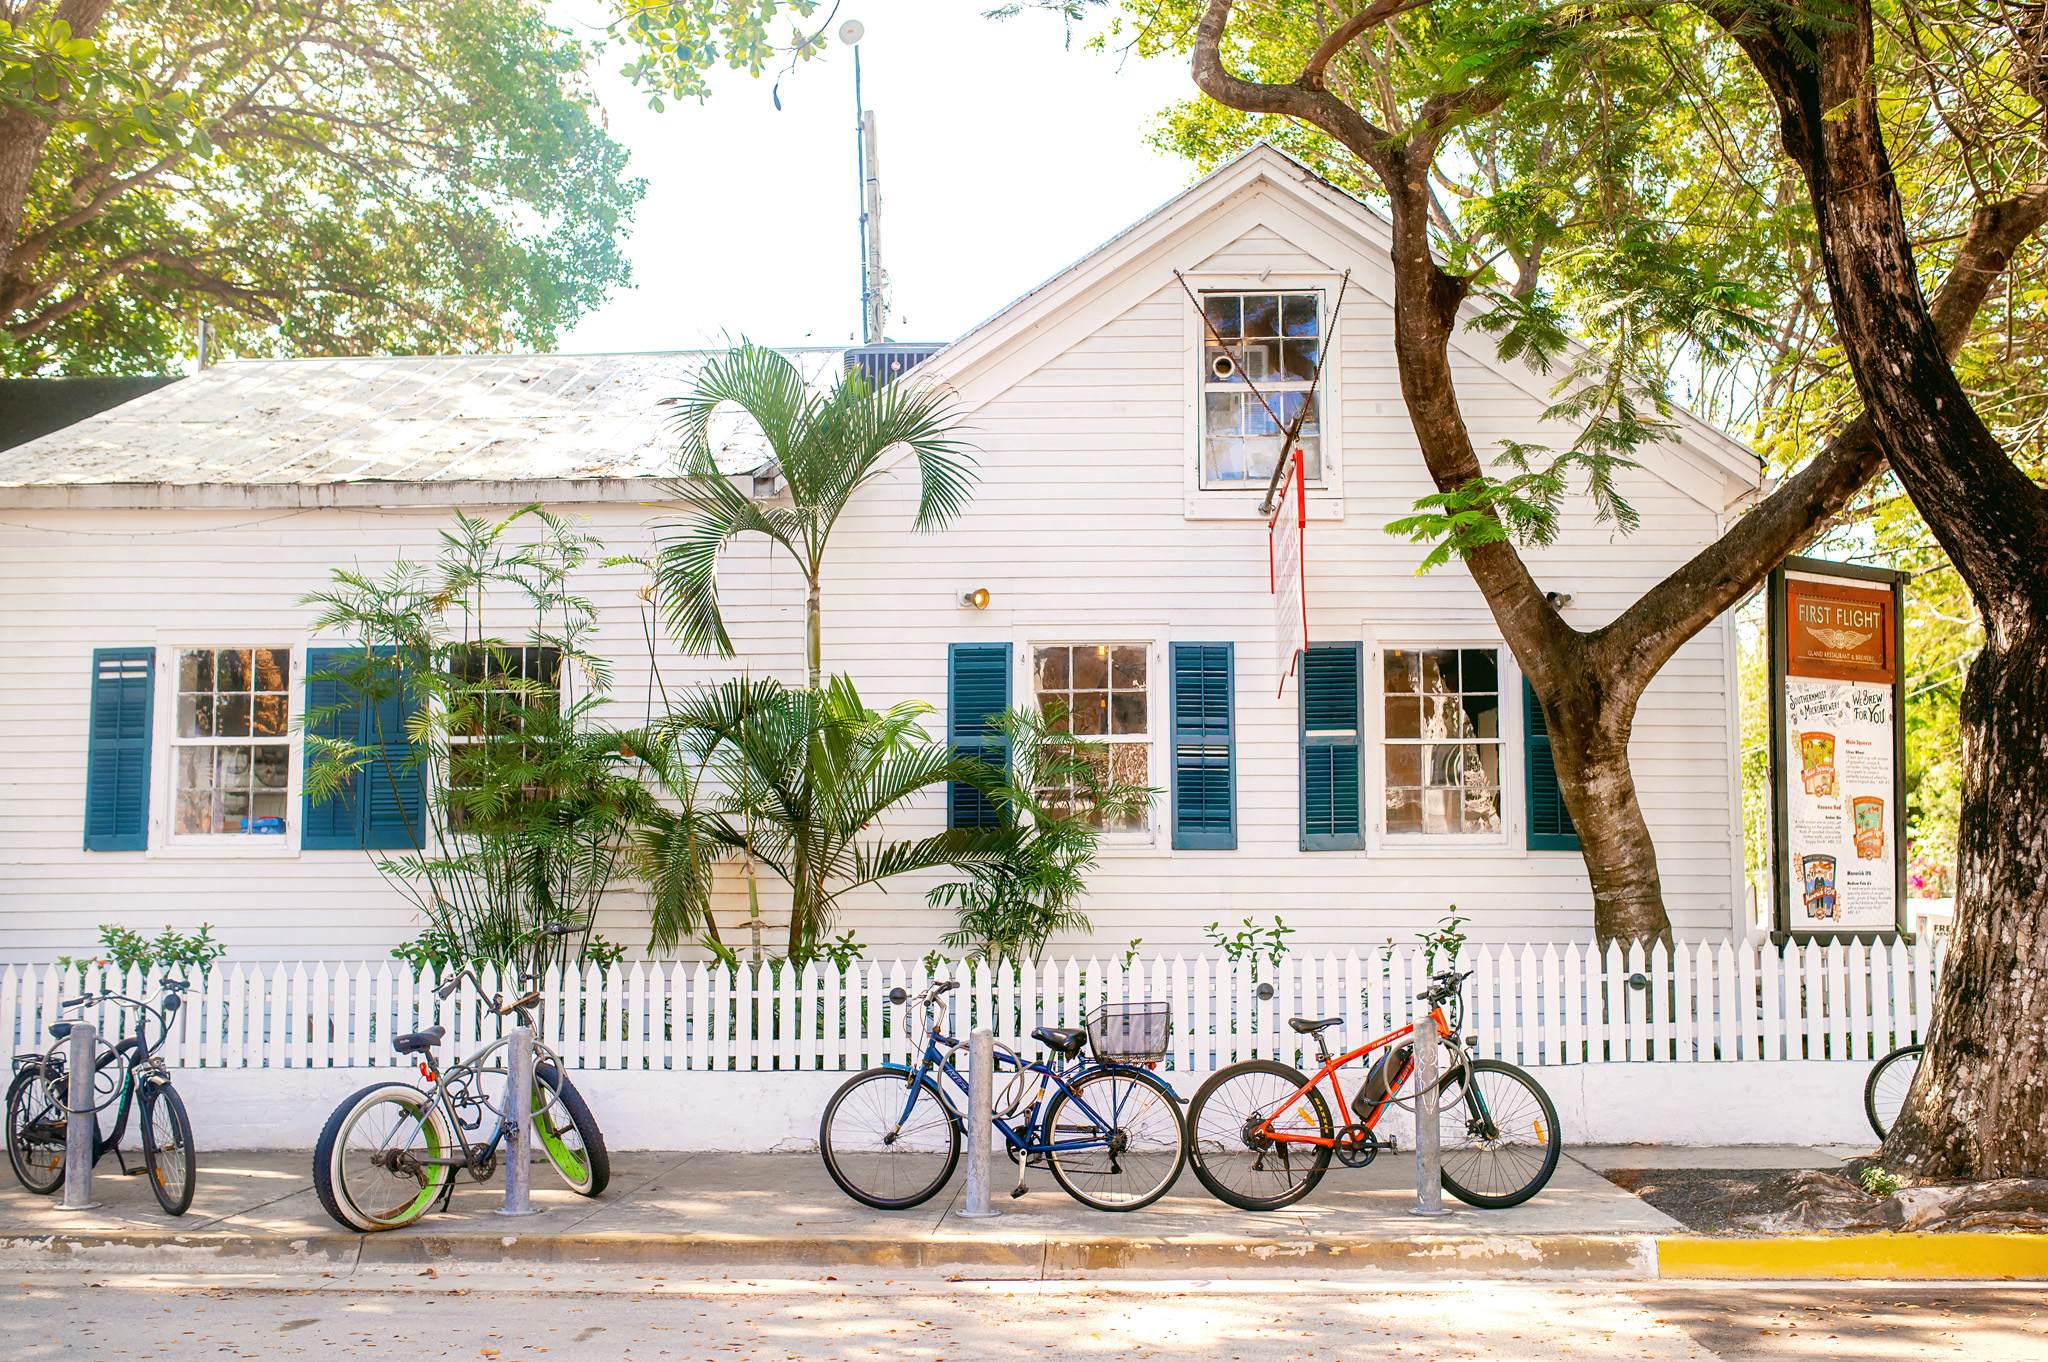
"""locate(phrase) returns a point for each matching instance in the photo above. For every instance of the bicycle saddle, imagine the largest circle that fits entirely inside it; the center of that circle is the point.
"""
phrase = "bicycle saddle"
(1308, 1026)
(419, 1041)
(60, 1030)
(1066, 1040)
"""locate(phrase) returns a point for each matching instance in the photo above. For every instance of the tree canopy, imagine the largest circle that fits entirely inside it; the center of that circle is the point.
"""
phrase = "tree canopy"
(314, 176)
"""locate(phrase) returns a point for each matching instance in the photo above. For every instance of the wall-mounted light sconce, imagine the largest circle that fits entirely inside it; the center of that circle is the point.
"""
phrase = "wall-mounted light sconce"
(1558, 599)
(978, 598)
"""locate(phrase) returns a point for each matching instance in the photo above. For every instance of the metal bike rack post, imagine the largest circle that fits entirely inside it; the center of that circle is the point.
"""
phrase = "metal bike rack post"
(81, 1122)
(518, 1141)
(1429, 1189)
(981, 1088)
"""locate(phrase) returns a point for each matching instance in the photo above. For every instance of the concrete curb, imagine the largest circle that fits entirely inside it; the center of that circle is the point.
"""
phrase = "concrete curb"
(1904, 1257)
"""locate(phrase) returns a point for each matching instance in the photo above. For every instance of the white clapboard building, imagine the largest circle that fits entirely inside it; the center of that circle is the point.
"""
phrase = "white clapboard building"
(1116, 530)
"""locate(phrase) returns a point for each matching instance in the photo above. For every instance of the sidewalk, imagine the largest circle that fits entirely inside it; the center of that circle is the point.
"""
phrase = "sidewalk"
(739, 1212)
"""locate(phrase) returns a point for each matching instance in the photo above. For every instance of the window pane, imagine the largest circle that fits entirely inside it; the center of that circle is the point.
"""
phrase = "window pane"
(1261, 457)
(231, 716)
(1257, 420)
(1439, 671)
(233, 771)
(1482, 810)
(231, 669)
(1127, 667)
(195, 768)
(1298, 360)
(1055, 708)
(1442, 811)
(270, 716)
(1052, 668)
(1222, 311)
(1481, 669)
(1220, 365)
(195, 716)
(1404, 717)
(273, 668)
(1221, 412)
(1441, 717)
(1225, 456)
(1311, 458)
(1130, 763)
(1482, 762)
(1091, 668)
(1292, 402)
(195, 669)
(1298, 314)
(1482, 716)
(1261, 314)
(1400, 672)
(195, 813)
(1090, 713)
(1127, 713)
(1404, 811)
(273, 761)
(1444, 763)
(1404, 766)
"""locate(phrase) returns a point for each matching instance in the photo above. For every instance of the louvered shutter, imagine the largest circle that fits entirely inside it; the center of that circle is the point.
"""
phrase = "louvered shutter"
(384, 805)
(977, 691)
(1330, 683)
(1204, 797)
(117, 749)
(1550, 823)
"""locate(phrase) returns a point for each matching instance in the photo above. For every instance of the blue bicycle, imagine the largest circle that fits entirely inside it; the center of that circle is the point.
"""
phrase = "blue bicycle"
(1110, 1132)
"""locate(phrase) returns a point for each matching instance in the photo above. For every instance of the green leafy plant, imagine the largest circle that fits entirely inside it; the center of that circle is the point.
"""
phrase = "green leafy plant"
(760, 777)
(842, 951)
(1252, 941)
(1878, 1182)
(1054, 795)
(527, 796)
(1131, 950)
(1446, 939)
(127, 949)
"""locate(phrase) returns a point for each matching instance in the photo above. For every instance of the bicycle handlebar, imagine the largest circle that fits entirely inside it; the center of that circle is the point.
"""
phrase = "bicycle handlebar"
(1443, 985)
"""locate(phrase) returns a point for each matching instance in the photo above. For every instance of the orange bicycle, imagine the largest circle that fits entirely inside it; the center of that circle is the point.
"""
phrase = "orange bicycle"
(1262, 1135)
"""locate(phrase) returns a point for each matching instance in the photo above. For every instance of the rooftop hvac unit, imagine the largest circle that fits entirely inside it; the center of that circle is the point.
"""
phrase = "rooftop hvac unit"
(882, 365)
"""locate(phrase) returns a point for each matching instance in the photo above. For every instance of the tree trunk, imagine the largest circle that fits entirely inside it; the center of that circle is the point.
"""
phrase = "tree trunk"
(1980, 1109)
(814, 633)
(23, 134)
(1599, 789)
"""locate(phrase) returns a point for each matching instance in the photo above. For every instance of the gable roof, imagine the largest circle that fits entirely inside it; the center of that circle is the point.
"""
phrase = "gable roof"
(409, 419)
(1187, 230)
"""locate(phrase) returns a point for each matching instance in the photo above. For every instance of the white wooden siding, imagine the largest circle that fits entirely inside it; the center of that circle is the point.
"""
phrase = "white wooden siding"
(1080, 530)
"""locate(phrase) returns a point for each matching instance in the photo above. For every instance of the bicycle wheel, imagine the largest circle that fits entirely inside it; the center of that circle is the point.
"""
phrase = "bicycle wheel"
(886, 1144)
(569, 1133)
(1884, 1092)
(368, 1165)
(1136, 1144)
(167, 1148)
(1498, 1134)
(35, 1130)
(1247, 1170)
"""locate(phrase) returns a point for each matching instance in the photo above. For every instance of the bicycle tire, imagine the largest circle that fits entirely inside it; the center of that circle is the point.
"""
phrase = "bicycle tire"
(860, 1163)
(577, 1149)
(348, 1191)
(1232, 1166)
(173, 1166)
(1512, 1167)
(1145, 1123)
(1890, 1081)
(35, 1133)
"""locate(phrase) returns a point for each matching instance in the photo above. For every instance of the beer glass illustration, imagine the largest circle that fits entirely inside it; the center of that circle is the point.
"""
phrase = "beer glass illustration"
(1869, 814)
(1817, 763)
(1819, 875)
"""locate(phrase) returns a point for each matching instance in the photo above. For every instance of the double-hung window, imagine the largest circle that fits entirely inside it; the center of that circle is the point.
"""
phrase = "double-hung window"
(1259, 356)
(231, 748)
(1104, 690)
(1440, 743)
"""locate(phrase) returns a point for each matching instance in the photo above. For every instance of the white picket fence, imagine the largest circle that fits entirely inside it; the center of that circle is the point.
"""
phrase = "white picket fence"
(1535, 1005)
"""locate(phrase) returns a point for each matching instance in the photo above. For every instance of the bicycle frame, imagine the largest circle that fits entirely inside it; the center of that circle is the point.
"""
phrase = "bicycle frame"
(474, 1153)
(143, 1065)
(1475, 1102)
(935, 1049)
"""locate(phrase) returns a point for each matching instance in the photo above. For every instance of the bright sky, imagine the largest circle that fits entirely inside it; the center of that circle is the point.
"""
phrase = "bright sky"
(1004, 157)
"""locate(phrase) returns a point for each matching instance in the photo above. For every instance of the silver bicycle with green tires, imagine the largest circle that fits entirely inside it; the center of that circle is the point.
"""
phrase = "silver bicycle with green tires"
(391, 1151)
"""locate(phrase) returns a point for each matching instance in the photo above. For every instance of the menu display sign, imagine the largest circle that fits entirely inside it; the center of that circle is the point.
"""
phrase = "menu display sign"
(1837, 748)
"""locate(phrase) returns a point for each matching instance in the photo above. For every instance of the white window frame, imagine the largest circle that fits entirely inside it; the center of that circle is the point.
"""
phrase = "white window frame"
(1508, 843)
(1325, 502)
(1153, 640)
(166, 844)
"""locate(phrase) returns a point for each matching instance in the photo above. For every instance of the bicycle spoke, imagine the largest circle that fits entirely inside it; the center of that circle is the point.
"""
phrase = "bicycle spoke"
(1127, 1137)
(880, 1151)
(380, 1159)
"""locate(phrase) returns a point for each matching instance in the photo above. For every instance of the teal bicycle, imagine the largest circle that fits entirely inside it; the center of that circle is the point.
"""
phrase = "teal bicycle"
(1106, 1127)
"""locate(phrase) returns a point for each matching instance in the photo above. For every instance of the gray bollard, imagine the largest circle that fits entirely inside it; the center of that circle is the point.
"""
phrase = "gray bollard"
(981, 1088)
(81, 1122)
(518, 1143)
(1429, 1188)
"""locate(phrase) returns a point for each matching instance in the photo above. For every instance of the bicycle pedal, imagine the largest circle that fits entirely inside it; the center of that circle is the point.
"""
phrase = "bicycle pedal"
(133, 1172)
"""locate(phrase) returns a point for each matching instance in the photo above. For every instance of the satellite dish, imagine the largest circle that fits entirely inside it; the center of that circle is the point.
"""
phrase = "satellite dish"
(851, 31)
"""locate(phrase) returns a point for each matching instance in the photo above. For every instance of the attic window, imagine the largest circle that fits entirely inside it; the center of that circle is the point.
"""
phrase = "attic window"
(1269, 345)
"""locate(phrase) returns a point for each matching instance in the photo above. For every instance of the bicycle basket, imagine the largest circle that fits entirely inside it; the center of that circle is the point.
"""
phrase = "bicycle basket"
(1129, 1033)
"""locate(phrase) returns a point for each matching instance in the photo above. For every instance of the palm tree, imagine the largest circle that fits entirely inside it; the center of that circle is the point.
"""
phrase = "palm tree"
(826, 446)
(794, 780)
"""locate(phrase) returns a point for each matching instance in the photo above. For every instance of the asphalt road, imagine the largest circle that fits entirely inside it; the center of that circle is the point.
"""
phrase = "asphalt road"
(516, 1318)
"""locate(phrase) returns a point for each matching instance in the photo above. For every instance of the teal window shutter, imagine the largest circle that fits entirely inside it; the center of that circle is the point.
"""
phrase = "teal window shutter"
(1330, 750)
(977, 691)
(384, 806)
(1550, 823)
(117, 749)
(1204, 748)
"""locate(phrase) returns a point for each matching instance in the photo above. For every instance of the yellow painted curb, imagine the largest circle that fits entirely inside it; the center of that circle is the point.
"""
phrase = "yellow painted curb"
(1904, 1256)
